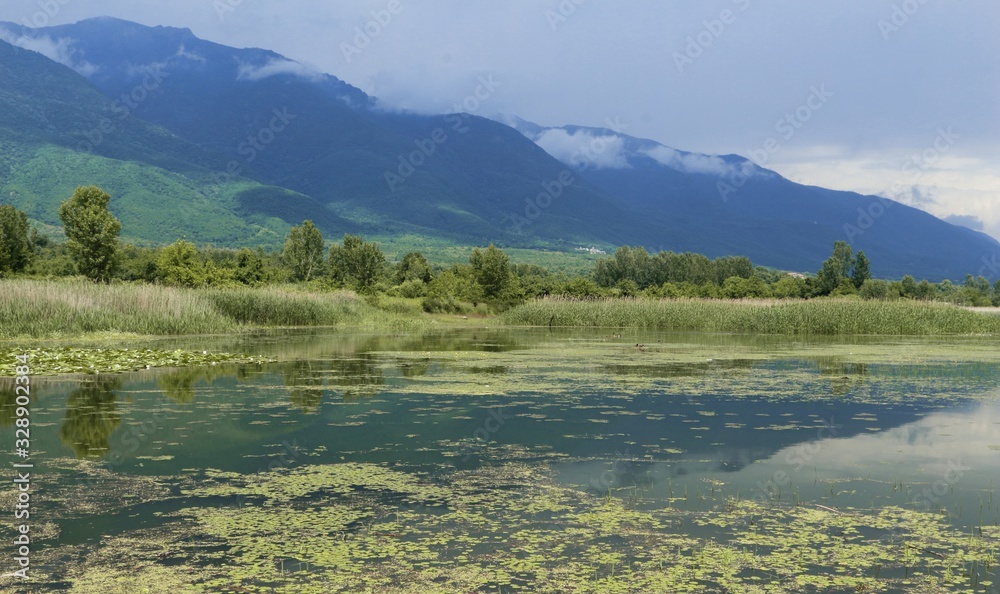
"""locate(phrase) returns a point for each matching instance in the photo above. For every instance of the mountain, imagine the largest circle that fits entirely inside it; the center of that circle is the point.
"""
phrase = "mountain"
(719, 204)
(456, 176)
(263, 142)
(57, 131)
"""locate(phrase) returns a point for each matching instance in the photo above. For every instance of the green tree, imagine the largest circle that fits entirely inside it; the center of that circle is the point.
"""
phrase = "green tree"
(627, 288)
(178, 264)
(250, 269)
(413, 267)
(15, 244)
(303, 251)
(789, 287)
(843, 252)
(909, 286)
(492, 271)
(580, 287)
(874, 289)
(862, 270)
(846, 287)
(735, 287)
(829, 276)
(357, 262)
(92, 232)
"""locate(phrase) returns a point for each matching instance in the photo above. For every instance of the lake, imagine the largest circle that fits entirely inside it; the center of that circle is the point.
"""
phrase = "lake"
(492, 460)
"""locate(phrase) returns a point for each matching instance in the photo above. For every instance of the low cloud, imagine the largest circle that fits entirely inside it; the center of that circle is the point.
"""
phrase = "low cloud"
(57, 50)
(183, 53)
(584, 149)
(916, 196)
(690, 162)
(971, 221)
(276, 67)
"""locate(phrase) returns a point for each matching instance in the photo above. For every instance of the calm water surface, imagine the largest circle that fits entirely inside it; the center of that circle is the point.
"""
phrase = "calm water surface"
(686, 422)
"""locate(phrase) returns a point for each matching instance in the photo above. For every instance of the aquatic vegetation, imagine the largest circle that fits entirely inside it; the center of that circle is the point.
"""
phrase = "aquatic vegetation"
(59, 360)
(368, 528)
(824, 316)
(511, 460)
(877, 371)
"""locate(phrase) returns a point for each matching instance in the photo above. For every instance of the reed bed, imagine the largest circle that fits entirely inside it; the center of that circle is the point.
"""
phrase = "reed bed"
(57, 309)
(821, 316)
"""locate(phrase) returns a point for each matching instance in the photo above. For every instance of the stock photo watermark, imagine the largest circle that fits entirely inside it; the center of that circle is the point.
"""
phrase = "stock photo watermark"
(427, 146)
(915, 167)
(711, 31)
(48, 9)
(123, 106)
(786, 128)
(365, 34)
(929, 497)
(899, 17)
(23, 468)
(255, 144)
(583, 158)
(481, 436)
(562, 13)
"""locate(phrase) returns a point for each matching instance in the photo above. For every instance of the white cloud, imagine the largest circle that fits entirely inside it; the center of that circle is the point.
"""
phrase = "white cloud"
(583, 149)
(57, 50)
(277, 67)
(183, 53)
(971, 221)
(690, 162)
(964, 182)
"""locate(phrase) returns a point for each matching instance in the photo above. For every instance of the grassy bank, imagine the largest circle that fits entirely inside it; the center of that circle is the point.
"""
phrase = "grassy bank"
(825, 316)
(55, 309)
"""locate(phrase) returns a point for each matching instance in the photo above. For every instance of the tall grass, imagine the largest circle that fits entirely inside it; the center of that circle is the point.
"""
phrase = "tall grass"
(53, 309)
(823, 316)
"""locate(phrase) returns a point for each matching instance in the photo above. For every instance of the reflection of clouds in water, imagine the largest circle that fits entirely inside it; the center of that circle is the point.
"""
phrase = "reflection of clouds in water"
(921, 449)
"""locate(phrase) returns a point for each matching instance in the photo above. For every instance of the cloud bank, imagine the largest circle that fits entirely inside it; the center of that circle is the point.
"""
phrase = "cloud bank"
(277, 67)
(57, 50)
(583, 149)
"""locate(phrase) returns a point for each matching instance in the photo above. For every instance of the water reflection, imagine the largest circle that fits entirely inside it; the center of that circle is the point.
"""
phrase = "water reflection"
(305, 384)
(91, 417)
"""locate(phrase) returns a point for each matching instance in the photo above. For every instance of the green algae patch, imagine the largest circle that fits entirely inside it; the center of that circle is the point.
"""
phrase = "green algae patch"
(512, 527)
(63, 360)
(870, 370)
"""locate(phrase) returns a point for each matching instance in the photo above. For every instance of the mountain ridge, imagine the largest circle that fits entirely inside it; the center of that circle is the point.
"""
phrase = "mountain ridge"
(467, 179)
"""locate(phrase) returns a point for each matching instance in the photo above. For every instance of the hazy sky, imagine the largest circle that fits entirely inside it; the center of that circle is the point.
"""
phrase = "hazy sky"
(910, 88)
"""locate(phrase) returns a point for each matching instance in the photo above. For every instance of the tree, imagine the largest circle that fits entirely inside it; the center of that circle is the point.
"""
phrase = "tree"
(414, 267)
(627, 263)
(925, 290)
(92, 232)
(15, 244)
(843, 252)
(357, 262)
(735, 287)
(909, 287)
(789, 287)
(492, 272)
(303, 251)
(862, 270)
(829, 276)
(249, 268)
(178, 265)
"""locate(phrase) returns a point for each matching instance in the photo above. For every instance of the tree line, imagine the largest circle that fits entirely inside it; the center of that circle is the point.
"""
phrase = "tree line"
(93, 249)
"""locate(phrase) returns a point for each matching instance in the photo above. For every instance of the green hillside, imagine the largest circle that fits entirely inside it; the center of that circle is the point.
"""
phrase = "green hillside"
(162, 186)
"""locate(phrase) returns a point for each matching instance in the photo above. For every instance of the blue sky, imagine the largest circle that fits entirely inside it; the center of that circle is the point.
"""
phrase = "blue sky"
(910, 88)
